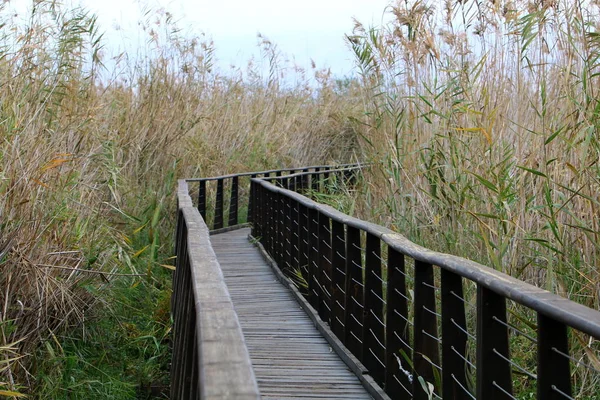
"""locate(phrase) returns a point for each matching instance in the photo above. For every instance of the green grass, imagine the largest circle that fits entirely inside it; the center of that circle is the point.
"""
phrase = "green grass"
(122, 352)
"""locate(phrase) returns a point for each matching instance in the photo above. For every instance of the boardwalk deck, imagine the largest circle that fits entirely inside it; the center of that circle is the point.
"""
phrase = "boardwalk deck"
(291, 359)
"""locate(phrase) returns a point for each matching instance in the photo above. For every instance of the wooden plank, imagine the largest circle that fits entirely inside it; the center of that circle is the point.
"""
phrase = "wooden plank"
(291, 359)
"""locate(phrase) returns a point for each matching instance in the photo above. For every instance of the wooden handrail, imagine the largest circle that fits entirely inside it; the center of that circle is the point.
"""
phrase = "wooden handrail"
(210, 359)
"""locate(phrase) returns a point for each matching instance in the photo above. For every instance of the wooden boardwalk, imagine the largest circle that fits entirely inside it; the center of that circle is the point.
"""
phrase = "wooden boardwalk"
(291, 359)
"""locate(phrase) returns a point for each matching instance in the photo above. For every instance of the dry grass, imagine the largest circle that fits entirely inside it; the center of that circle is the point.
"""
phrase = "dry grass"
(88, 158)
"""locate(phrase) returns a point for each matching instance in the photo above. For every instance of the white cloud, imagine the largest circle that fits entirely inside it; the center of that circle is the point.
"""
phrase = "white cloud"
(308, 29)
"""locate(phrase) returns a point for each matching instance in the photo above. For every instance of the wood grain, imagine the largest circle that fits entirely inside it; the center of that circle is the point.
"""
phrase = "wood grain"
(291, 359)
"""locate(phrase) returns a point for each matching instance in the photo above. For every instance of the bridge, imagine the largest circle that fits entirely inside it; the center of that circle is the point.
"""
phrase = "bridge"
(284, 297)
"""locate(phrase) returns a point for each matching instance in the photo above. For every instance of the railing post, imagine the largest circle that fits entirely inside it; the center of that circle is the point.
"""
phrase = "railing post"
(315, 180)
(202, 199)
(325, 275)
(354, 293)
(553, 372)
(426, 351)
(294, 234)
(493, 372)
(280, 223)
(233, 203)
(374, 329)
(304, 180)
(314, 292)
(303, 241)
(454, 338)
(254, 213)
(268, 218)
(251, 201)
(218, 222)
(286, 219)
(325, 181)
(398, 372)
(338, 303)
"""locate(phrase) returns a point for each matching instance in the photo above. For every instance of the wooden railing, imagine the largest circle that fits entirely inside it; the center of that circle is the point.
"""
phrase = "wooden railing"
(221, 198)
(209, 359)
(406, 312)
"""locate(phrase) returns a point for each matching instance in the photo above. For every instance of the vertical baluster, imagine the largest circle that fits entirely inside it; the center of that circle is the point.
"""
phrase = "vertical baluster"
(233, 202)
(304, 180)
(255, 228)
(397, 342)
(315, 180)
(354, 292)
(426, 350)
(195, 373)
(202, 199)
(268, 213)
(297, 183)
(374, 330)
(338, 245)
(454, 340)
(553, 368)
(294, 234)
(176, 297)
(313, 258)
(251, 202)
(492, 337)
(218, 223)
(303, 242)
(325, 275)
(286, 218)
(280, 230)
(326, 182)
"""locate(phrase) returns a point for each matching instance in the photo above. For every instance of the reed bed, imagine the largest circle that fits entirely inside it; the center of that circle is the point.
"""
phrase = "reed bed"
(89, 158)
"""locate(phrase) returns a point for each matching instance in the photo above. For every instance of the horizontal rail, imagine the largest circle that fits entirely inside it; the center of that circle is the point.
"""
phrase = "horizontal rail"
(210, 359)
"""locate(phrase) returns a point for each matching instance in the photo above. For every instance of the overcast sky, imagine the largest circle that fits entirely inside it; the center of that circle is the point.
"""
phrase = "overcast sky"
(306, 29)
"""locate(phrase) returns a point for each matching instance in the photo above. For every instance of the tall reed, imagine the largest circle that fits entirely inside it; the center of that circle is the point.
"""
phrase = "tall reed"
(89, 157)
(483, 117)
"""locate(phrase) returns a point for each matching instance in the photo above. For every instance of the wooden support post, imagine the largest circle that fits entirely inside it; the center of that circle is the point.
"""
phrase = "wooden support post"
(554, 369)
(202, 199)
(354, 293)
(218, 223)
(374, 329)
(233, 202)
(399, 354)
(493, 372)
(426, 352)
(338, 244)
(454, 344)
(314, 292)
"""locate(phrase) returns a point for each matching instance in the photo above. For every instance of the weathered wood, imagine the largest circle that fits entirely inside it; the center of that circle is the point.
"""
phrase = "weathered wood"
(374, 328)
(338, 304)
(354, 293)
(454, 344)
(553, 368)
(426, 351)
(218, 222)
(492, 342)
(291, 358)
(233, 202)
(399, 354)
(210, 357)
